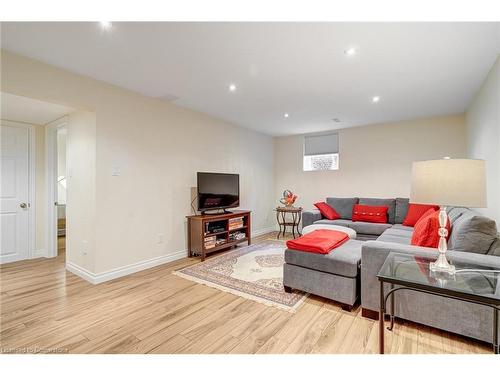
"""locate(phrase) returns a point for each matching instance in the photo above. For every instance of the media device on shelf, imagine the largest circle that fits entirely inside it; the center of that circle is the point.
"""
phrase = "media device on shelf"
(218, 191)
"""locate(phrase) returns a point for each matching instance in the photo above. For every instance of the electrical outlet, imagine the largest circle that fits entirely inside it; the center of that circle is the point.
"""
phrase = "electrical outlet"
(85, 244)
(159, 238)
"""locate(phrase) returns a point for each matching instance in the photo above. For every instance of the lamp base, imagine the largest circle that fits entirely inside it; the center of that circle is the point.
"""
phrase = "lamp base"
(442, 265)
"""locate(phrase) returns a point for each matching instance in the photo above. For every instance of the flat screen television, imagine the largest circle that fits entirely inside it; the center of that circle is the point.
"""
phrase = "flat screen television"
(218, 191)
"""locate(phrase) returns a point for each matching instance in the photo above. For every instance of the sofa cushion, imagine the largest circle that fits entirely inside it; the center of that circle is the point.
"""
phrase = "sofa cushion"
(401, 210)
(344, 260)
(395, 231)
(387, 237)
(495, 248)
(343, 206)
(389, 203)
(473, 233)
(402, 227)
(455, 212)
(368, 228)
(342, 222)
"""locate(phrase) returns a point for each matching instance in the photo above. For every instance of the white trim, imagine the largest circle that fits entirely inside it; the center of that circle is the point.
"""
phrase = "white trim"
(81, 272)
(38, 253)
(31, 182)
(32, 191)
(51, 183)
(115, 273)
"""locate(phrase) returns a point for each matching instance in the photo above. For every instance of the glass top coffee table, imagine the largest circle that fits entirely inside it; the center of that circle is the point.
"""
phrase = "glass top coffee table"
(471, 283)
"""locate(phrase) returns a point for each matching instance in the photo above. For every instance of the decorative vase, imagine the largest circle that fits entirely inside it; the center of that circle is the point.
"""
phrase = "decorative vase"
(288, 199)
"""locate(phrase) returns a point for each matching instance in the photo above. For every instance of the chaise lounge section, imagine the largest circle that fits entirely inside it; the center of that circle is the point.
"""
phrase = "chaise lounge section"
(349, 273)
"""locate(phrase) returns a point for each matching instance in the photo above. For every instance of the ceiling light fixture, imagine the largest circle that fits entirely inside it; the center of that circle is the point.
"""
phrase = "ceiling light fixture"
(105, 25)
(286, 115)
(351, 51)
(232, 87)
(376, 99)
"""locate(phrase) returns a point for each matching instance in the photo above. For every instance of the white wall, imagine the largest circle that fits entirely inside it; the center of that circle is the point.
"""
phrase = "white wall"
(81, 183)
(158, 148)
(375, 160)
(483, 136)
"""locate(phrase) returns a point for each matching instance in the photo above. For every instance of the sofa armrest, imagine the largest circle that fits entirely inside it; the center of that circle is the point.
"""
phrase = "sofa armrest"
(309, 217)
(374, 253)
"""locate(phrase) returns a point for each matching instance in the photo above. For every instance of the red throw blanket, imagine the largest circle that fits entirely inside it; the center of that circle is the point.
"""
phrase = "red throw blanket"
(320, 241)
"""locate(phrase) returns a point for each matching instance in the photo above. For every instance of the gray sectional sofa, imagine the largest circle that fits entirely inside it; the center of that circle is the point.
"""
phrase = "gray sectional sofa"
(349, 273)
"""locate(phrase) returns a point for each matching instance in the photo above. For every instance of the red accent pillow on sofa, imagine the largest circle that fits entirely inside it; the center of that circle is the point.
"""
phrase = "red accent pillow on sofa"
(416, 211)
(371, 214)
(327, 211)
(425, 232)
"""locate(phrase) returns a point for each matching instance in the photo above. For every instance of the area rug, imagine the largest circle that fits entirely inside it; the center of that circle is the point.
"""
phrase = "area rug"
(254, 272)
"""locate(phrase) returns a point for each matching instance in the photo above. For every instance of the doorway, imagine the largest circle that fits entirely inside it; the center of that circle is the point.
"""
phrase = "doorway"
(56, 146)
(61, 190)
(24, 181)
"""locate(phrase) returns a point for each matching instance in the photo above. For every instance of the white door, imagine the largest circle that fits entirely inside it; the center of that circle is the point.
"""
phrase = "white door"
(14, 185)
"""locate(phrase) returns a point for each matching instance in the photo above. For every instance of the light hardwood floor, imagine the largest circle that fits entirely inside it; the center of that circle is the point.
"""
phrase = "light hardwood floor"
(46, 309)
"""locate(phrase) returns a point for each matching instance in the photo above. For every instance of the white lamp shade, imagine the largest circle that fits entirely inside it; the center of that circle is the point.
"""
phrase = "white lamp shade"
(449, 182)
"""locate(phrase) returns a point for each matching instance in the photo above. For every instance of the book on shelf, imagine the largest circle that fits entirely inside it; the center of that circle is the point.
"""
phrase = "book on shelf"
(237, 236)
(236, 223)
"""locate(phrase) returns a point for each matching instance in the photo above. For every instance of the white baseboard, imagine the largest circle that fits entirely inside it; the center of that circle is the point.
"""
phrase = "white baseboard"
(115, 273)
(81, 272)
(38, 253)
(260, 232)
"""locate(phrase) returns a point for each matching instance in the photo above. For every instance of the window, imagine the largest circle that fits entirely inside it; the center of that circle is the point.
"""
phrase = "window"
(321, 152)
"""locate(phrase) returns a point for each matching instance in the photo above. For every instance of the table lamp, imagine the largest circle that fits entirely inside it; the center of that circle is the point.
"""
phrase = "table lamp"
(448, 182)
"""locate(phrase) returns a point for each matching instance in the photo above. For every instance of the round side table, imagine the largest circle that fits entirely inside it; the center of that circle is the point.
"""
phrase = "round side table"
(281, 218)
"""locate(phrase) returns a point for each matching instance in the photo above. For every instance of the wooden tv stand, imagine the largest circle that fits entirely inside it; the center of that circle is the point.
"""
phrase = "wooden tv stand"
(200, 232)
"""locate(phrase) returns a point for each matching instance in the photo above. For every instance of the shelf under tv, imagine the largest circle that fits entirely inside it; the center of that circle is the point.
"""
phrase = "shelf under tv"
(197, 235)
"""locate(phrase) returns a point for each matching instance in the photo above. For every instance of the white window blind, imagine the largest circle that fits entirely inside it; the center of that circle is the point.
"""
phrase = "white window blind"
(321, 144)
(321, 152)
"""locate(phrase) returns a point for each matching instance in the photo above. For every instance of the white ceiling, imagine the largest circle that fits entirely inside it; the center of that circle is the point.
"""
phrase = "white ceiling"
(418, 69)
(22, 109)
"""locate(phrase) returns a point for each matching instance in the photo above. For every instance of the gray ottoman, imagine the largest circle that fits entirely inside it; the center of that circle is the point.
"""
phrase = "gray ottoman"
(334, 276)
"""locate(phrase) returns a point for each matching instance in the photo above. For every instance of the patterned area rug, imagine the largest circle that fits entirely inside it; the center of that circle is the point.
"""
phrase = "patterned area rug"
(254, 272)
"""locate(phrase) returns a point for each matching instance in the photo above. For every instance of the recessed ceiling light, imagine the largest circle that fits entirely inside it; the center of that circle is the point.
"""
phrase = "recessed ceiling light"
(286, 115)
(105, 25)
(232, 87)
(351, 51)
(376, 99)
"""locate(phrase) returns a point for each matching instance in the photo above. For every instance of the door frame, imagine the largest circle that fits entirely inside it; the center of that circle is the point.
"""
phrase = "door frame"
(32, 251)
(51, 177)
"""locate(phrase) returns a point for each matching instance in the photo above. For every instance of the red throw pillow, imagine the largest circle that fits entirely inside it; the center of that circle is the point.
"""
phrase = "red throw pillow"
(416, 211)
(425, 232)
(371, 214)
(327, 211)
